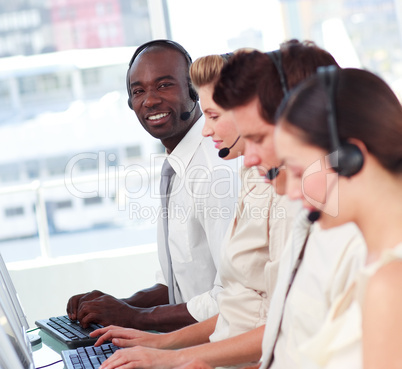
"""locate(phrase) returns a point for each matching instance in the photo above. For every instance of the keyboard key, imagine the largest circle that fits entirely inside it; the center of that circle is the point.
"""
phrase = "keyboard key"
(92, 357)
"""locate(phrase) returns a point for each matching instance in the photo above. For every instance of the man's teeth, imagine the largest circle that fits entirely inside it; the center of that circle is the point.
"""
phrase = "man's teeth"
(157, 116)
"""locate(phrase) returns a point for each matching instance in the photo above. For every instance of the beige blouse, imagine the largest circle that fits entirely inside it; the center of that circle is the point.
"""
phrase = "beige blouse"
(250, 256)
(339, 342)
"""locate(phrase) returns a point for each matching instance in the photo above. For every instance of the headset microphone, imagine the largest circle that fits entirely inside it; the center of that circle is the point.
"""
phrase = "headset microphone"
(223, 153)
(186, 115)
(314, 215)
(272, 173)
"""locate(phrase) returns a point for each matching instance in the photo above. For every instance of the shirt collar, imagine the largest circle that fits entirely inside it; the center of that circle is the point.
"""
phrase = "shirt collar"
(182, 154)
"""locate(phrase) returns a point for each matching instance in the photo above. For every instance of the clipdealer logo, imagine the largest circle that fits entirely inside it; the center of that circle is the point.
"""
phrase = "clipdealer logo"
(135, 182)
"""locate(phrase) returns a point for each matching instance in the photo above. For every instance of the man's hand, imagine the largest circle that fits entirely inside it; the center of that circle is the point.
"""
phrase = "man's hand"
(105, 310)
(75, 301)
(145, 310)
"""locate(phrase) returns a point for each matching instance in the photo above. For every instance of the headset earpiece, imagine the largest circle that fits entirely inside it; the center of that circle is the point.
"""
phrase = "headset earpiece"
(130, 105)
(192, 92)
(348, 159)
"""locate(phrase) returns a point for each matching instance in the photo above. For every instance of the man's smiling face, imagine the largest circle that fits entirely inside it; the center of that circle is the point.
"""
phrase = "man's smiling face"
(160, 92)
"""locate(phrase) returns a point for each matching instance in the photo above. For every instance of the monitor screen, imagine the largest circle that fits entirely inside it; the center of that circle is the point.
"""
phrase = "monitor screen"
(14, 351)
(8, 307)
(12, 292)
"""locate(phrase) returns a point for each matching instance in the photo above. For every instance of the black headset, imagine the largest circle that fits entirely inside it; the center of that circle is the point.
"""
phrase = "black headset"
(349, 159)
(192, 92)
(276, 57)
(226, 56)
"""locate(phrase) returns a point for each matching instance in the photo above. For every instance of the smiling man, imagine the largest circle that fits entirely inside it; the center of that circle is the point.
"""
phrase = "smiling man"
(161, 95)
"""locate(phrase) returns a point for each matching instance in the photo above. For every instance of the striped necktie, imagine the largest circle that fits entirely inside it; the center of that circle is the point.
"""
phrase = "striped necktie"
(166, 176)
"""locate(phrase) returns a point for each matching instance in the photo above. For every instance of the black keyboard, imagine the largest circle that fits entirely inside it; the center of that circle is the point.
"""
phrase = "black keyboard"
(68, 331)
(87, 357)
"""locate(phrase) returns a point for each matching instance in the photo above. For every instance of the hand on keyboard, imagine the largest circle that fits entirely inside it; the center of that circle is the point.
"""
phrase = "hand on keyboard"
(144, 358)
(128, 337)
(97, 307)
(74, 302)
(90, 357)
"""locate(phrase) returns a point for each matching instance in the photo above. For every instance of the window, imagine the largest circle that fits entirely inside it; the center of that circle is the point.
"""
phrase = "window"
(45, 83)
(4, 90)
(60, 105)
(90, 77)
(10, 172)
(27, 85)
(32, 168)
(133, 151)
(87, 164)
(93, 201)
(56, 166)
(14, 212)
(66, 204)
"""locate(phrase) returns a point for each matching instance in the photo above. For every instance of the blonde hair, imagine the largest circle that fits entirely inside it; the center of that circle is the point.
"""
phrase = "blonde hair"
(206, 70)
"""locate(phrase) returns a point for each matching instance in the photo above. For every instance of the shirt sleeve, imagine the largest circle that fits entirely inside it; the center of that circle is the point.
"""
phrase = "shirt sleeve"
(159, 278)
(204, 306)
(216, 211)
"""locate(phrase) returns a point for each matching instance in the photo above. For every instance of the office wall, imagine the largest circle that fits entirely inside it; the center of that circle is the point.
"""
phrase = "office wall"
(44, 286)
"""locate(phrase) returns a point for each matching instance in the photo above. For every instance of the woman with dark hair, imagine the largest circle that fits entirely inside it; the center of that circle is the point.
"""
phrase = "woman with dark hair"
(339, 135)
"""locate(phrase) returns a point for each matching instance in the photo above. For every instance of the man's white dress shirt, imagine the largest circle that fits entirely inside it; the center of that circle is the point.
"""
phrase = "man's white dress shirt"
(203, 193)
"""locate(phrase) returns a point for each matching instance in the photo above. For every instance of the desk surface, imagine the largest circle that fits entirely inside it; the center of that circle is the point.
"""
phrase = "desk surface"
(48, 351)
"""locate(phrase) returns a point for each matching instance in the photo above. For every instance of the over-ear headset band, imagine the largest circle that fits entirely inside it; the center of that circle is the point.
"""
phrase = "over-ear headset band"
(276, 57)
(349, 157)
(328, 77)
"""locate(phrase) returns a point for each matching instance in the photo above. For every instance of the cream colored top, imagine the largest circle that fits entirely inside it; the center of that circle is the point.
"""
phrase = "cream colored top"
(331, 261)
(338, 343)
(250, 256)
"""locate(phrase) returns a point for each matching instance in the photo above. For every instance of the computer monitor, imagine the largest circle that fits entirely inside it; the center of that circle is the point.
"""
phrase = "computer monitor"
(15, 352)
(9, 294)
(9, 285)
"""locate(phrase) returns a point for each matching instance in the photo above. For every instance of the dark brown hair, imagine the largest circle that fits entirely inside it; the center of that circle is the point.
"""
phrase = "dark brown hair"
(248, 75)
(366, 109)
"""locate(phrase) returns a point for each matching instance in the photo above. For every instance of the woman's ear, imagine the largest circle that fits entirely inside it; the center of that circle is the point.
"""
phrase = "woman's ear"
(360, 144)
